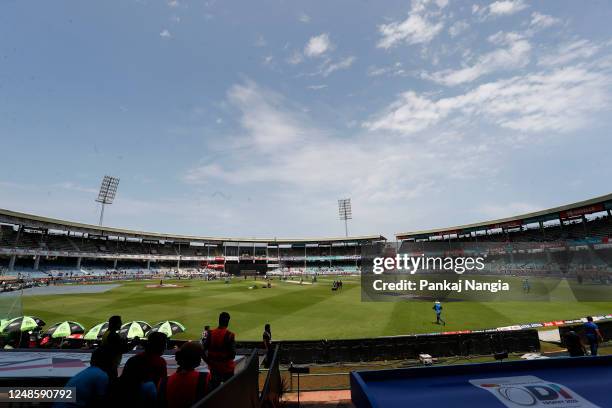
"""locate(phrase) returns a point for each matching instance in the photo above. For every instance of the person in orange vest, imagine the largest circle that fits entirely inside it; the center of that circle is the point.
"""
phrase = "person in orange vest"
(187, 385)
(219, 352)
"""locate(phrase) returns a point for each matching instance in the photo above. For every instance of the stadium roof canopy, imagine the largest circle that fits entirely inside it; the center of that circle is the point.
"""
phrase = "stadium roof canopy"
(44, 223)
(563, 212)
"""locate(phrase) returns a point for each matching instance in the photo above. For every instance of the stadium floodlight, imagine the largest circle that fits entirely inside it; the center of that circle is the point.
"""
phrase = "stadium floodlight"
(108, 191)
(345, 212)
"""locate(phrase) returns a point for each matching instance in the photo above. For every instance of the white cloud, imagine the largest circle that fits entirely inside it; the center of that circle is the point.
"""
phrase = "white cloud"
(515, 54)
(304, 18)
(540, 21)
(318, 45)
(173, 3)
(568, 52)
(417, 28)
(295, 58)
(410, 113)
(457, 28)
(360, 168)
(330, 67)
(377, 71)
(268, 124)
(393, 70)
(562, 100)
(499, 8)
(506, 7)
(165, 34)
(317, 87)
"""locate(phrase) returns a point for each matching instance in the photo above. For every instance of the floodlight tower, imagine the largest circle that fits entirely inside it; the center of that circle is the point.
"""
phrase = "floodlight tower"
(108, 191)
(344, 209)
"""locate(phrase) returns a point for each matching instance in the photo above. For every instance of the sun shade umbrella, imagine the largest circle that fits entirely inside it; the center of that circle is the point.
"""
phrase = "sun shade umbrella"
(169, 328)
(133, 329)
(3, 322)
(64, 329)
(21, 324)
(96, 332)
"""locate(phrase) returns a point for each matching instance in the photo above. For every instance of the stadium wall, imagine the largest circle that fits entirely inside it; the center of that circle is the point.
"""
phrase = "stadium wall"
(403, 347)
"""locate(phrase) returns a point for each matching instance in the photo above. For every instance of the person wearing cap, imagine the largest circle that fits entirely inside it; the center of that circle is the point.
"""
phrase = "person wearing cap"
(437, 307)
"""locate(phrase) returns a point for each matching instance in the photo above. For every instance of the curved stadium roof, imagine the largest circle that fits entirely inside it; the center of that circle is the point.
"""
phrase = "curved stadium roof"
(39, 222)
(577, 209)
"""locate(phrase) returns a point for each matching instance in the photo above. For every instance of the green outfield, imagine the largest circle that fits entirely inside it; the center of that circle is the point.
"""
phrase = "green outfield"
(295, 311)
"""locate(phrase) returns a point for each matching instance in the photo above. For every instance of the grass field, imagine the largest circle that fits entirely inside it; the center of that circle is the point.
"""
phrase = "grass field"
(294, 311)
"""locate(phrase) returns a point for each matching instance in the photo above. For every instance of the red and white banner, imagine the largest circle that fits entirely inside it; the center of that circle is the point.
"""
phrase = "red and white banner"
(576, 212)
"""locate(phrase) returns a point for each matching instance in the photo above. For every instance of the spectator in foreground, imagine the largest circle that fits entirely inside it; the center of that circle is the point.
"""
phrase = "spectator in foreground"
(592, 334)
(573, 344)
(114, 345)
(205, 334)
(220, 351)
(136, 344)
(150, 362)
(187, 385)
(91, 384)
(267, 343)
(134, 388)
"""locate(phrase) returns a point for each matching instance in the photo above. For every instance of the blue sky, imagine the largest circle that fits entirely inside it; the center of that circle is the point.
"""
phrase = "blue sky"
(244, 118)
